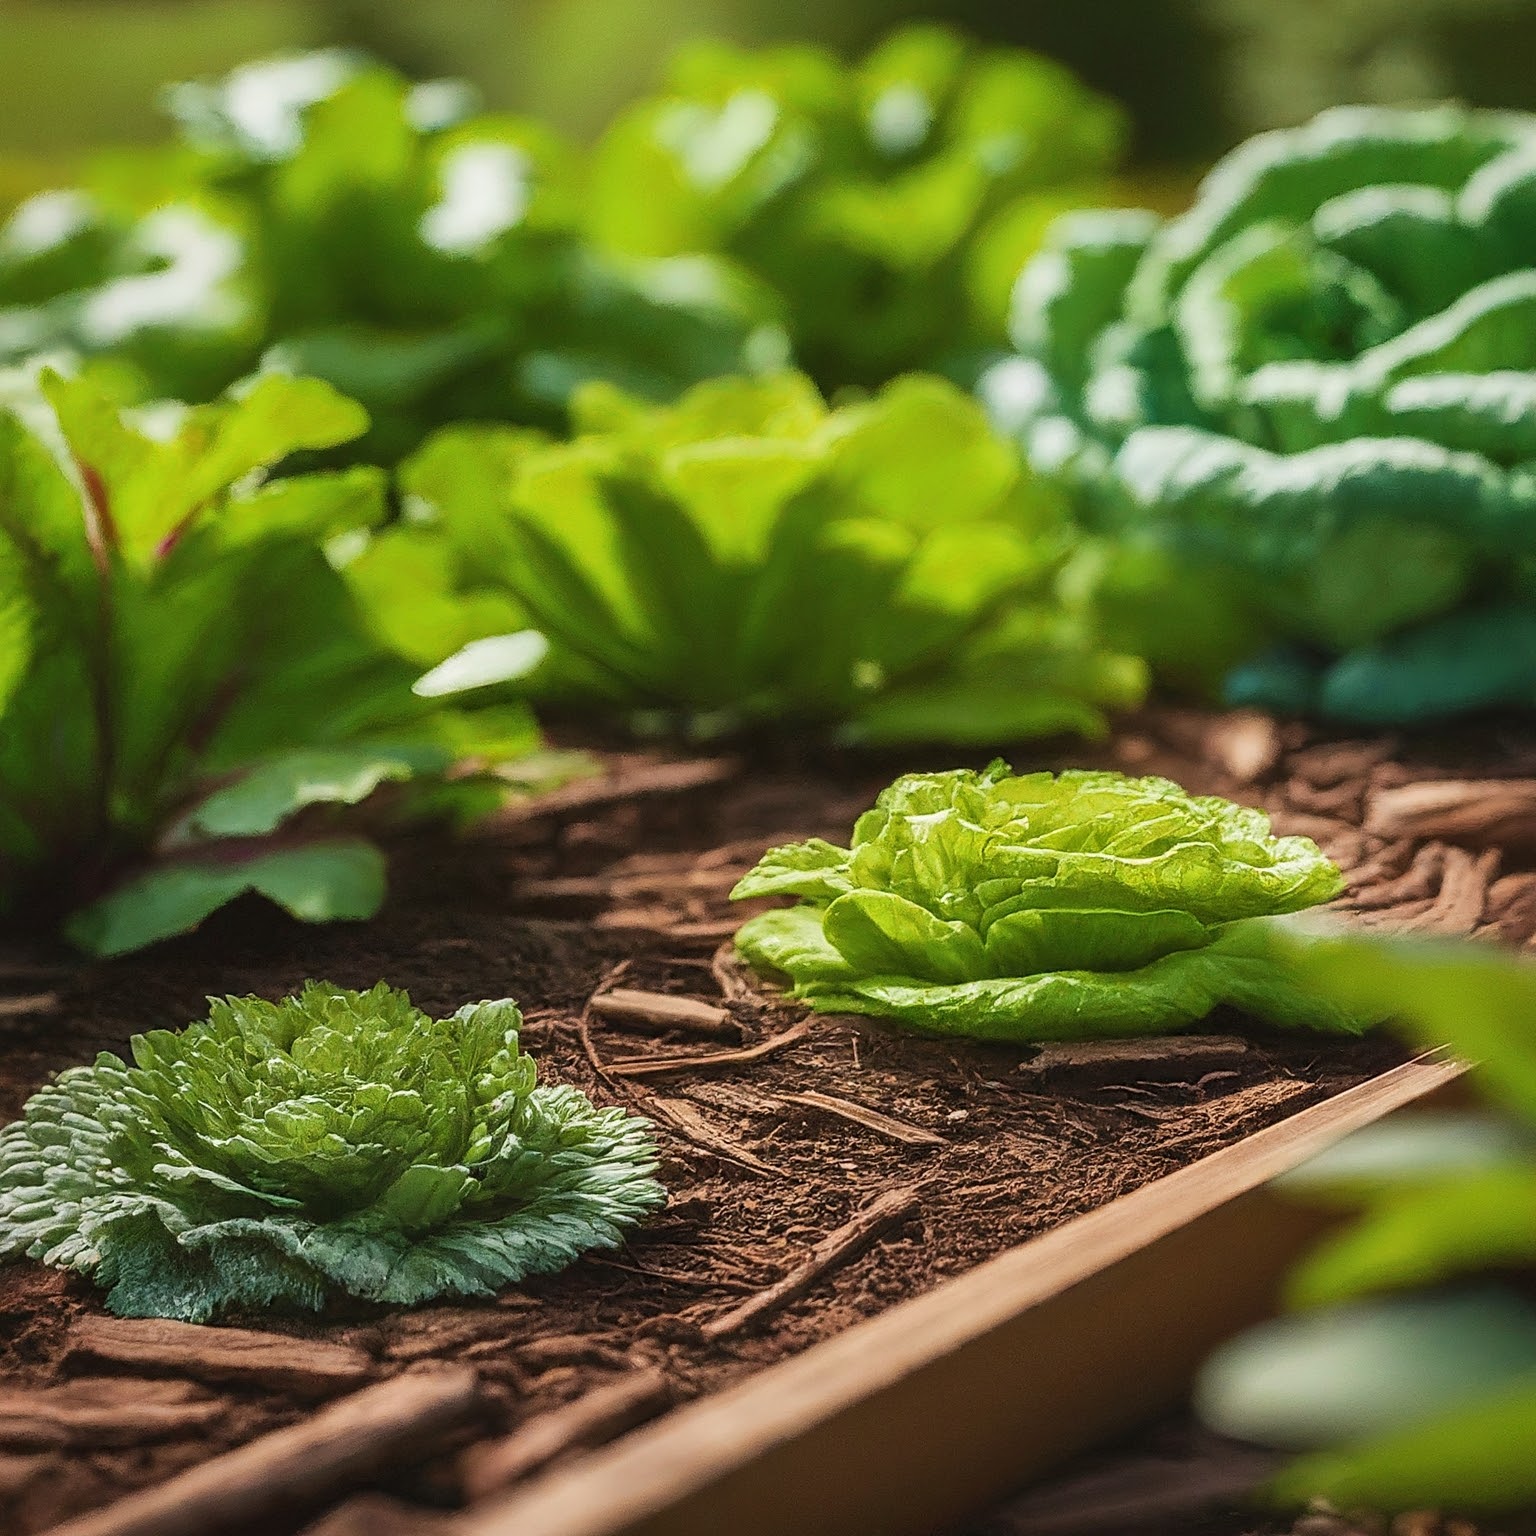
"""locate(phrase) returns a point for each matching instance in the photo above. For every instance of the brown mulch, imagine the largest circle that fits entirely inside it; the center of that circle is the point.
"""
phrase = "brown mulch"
(819, 1170)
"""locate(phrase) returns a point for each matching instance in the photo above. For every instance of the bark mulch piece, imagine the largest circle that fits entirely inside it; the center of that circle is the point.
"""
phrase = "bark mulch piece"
(820, 1168)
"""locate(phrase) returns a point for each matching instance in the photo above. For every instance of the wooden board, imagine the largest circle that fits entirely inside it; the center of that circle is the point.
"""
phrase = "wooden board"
(946, 1403)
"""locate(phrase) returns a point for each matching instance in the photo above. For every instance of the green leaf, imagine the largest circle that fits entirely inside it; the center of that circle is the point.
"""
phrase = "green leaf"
(337, 881)
(482, 663)
(1353, 1373)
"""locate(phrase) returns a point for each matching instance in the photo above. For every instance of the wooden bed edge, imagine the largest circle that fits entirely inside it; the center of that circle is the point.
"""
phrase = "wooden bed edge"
(910, 1418)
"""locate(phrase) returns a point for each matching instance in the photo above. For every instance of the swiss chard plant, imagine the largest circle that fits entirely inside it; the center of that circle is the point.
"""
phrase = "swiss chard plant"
(185, 682)
(1406, 1372)
(336, 1144)
(324, 214)
(1042, 906)
(879, 199)
(750, 555)
(1314, 391)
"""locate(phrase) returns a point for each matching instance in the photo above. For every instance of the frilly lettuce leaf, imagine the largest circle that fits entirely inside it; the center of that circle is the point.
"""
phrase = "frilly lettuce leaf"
(1320, 373)
(749, 554)
(1045, 907)
(335, 1144)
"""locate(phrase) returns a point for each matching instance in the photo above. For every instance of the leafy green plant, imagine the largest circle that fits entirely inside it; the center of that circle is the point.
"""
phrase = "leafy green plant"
(283, 1155)
(1409, 1372)
(1041, 907)
(749, 554)
(878, 199)
(1314, 390)
(328, 216)
(185, 682)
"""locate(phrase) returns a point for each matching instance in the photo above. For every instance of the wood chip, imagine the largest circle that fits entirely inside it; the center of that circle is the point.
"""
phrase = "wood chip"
(628, 780)
(664, 1011)
(101, 1413)
(1418, 882)
(376, 1514)
(1473, 811)
(1339, 762)
(593, 1419)
(306, 1367)
(290, 1471)
(731, 973)
(659, 1066)
(1463, 894)
(1158, 1059)
(873, 1221)
(25, 1007)
(1246, 744)
(694, 1127)
(870, 1119)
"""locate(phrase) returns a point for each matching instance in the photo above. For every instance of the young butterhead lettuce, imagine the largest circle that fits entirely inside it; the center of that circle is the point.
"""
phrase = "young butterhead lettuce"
(281, 1155)
(1041, 907)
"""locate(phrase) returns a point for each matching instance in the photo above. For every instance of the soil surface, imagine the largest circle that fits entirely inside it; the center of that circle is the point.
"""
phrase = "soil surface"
(621, 884)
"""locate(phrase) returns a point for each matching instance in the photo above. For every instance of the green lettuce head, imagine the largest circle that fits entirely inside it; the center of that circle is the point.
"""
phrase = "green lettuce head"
(282, 1155)
(1043, 907)
(873, 197)
(1315, 389)
(323, 214)
(750, 554)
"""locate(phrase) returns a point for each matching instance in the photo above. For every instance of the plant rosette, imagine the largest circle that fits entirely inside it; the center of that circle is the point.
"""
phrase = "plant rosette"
(881, 199)
(336, 1144)
(885, 568)
(1043, 907)
(190, 694)
(1314, 391)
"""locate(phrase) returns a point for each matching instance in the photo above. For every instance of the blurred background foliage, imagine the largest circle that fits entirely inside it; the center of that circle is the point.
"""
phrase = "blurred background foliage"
(1195, 74)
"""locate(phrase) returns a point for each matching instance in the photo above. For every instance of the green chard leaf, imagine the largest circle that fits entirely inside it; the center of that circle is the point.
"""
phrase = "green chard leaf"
(183, 674)
(282, 1156)
(1046, 907)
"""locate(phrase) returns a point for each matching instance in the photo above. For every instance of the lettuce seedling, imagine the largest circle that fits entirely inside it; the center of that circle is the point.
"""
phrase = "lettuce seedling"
(284, 1155)
(325, 214)
(1043, 907)
(1407, 1370)
(874, 198)
(182, 673)
(750, 555)
(1314, 391)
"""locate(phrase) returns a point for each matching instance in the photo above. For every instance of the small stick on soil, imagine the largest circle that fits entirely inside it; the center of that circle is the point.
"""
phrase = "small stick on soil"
(97, 1413)
(1163, 1058)
(290, 1470)
(663, 1011)
(870, 1119)
(626, 782)
(693, 1127)
(1457, 810)
(584, 1023)
(658, 1066)
(593, 1419)
(868, 1224)
(307, 1367)
(24, 1007)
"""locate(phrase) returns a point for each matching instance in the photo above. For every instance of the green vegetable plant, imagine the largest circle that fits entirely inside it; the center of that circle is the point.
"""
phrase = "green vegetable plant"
(1043, 906)
(326, 215)
(187, 688)
(751, 555)
(336, 1144)
(880, 199)
(1313, 393)
(1406, 1372)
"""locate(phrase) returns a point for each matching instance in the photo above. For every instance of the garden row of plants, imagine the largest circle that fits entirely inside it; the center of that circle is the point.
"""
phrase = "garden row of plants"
(356, 428)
